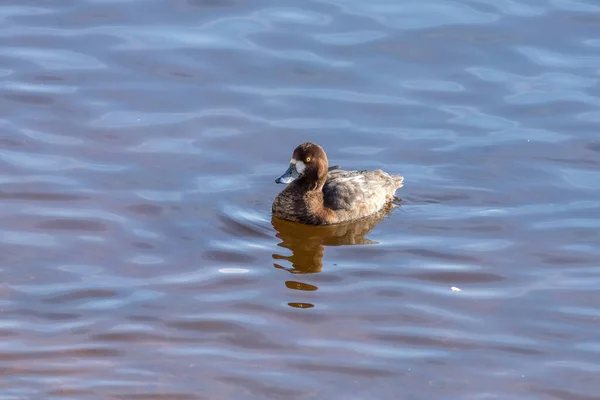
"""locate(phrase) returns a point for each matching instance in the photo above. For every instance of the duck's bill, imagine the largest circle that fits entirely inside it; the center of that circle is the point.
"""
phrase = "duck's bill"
(289, 175)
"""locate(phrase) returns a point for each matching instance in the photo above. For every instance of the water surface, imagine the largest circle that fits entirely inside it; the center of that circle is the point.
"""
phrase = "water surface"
(139, 141)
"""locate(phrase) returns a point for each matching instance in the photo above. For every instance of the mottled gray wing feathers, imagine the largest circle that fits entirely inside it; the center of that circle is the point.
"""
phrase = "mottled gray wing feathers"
(348, 190)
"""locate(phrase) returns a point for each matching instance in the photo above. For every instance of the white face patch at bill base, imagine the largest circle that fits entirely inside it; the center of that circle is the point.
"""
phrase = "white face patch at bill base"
(300, 166)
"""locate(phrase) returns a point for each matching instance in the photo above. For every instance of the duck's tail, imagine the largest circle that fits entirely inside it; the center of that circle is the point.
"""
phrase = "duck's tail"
(399, 181)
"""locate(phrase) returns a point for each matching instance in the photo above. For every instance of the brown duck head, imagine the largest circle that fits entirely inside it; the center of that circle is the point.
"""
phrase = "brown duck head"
(309, 163)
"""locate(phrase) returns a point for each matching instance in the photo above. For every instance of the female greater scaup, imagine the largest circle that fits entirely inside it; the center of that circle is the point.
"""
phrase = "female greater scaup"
(317, 195)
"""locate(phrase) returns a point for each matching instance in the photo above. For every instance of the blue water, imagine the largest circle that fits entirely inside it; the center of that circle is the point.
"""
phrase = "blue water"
(139, 143)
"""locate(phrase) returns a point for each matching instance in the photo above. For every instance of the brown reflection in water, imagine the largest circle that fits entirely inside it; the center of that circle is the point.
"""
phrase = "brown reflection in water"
(300, 286)
(301, 305)
(307, 243)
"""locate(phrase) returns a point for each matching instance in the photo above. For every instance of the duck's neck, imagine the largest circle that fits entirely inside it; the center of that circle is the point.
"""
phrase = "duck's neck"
(311, 182)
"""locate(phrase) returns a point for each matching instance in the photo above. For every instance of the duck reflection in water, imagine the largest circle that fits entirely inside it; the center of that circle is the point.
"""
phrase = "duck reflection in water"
(307, 242)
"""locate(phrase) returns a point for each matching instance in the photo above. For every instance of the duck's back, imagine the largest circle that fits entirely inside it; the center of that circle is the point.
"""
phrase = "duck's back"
(356, 194)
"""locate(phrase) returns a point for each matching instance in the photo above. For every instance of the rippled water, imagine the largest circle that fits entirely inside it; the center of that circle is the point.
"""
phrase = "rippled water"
(139, 141)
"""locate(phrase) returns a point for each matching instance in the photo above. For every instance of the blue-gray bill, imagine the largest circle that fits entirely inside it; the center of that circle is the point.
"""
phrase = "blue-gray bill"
(289, 175)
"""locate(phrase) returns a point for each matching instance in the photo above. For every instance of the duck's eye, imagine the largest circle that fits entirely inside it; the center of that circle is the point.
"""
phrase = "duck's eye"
(307, 159)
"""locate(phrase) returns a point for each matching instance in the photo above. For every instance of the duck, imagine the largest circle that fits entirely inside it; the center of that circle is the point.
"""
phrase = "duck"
(318, 195)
